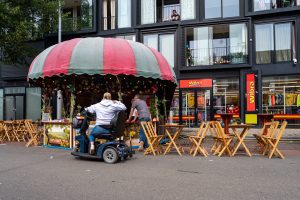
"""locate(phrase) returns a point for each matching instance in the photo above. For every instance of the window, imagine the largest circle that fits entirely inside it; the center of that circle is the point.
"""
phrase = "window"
(226, 96)
(261, 5)
(33, 103)
(281, 95)
(164, 43)
(109, 16)
(221, 8)
(153, 11)
(274, 42)
(220, 44)
(124, 13)
(79, 15)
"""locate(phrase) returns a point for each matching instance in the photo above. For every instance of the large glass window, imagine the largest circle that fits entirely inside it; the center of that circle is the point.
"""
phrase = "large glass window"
(187, 9)
(155, 11)
(164, 43)
(220, 44)
(79, 15)
(281, 95)
(261, 5)
(124, 13)
(274, 42)
(226, 98)
(33, 103)
(221, 8)
(148, 11)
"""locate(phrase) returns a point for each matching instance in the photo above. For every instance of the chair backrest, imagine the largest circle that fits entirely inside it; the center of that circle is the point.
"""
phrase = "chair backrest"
(212, 128)
(151, 129)
(29, 126)
(200, 130)
(145, 127)
(273, 127)
(281, 130)
(118, 123)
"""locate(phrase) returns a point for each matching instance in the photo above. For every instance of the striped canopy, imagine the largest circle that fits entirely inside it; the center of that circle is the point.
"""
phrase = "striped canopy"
(101, 56)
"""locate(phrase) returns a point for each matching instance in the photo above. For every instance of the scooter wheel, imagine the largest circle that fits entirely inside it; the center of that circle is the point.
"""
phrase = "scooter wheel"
(110, 155)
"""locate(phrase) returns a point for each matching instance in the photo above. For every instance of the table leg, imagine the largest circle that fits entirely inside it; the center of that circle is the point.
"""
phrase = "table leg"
(172, 141)
(241, 138)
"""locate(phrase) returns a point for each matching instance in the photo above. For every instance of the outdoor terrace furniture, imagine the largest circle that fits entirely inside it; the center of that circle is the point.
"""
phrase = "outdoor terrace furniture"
(152, 137)
(2, 132)
(33, 133)
(173, 136)
(240, 137)
(269, 129)
(273, 140)
(198, 139)
(222, 140)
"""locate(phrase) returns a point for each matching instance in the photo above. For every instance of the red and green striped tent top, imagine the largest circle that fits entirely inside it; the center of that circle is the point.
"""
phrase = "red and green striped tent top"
(102, 56)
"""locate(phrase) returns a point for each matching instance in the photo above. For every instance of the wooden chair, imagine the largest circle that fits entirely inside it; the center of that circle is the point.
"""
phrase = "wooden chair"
(2, 132)
(271, 129)
(20, 130)
(223, 140)
(153, 139)
(273, 141)
(33, 133)
(198, 139)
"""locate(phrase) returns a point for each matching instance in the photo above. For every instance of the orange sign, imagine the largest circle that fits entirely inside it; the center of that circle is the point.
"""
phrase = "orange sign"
(195, 83)
(251, 92)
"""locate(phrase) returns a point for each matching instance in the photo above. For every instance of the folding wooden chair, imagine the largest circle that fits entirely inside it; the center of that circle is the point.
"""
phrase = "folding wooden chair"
(2, 132)
(198, 139)
(20, 131)
(153, 139)
(271, 129)
(33, 133)
(273, 141)
(223, 140)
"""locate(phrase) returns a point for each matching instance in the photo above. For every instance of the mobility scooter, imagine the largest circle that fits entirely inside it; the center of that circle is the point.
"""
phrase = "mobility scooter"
(110, 151)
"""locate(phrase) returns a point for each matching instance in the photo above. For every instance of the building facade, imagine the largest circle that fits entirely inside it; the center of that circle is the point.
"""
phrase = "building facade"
(230, 56)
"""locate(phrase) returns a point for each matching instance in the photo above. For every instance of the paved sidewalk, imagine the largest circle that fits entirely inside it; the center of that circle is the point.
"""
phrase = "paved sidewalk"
(52, 174)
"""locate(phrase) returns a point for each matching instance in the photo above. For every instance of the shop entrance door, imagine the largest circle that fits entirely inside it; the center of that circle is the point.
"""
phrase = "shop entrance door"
(14, 107)
(196, 106)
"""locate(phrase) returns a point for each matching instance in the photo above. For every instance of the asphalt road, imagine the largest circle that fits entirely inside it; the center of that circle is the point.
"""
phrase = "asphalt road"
(42, 173)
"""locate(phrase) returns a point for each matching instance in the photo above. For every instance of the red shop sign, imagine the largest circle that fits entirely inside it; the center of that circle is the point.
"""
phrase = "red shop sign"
(195, 83)
(251, 92)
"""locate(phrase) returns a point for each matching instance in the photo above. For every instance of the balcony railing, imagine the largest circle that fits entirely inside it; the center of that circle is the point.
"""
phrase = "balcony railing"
(77, 23)
(260, 5)
(219, 55)
(164, 14)
(109, 23)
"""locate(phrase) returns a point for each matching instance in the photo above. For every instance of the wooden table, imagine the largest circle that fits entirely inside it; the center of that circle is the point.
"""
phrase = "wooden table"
(240, 137)
(226, 118)
(173, 137)
(263, 119)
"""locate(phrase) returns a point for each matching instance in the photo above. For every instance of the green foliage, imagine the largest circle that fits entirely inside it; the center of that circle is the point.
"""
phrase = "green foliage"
(22, 21)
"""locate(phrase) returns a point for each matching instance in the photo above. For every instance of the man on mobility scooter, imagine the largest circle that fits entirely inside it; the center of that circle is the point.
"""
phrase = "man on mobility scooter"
(110, 124)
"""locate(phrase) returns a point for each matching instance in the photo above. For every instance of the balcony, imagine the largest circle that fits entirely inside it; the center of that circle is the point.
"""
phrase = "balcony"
(164, 14)
(261, 5)
(216, 56)
(109, 23)
(77, 23)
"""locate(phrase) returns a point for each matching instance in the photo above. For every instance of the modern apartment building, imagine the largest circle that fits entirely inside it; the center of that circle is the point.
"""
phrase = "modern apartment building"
(230, 56)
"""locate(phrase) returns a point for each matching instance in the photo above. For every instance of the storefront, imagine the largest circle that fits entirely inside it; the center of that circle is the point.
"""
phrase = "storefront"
(199, 100)
(281, 97)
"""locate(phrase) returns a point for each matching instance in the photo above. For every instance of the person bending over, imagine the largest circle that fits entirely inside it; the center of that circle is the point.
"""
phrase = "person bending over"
(105, 111)
(143, 115)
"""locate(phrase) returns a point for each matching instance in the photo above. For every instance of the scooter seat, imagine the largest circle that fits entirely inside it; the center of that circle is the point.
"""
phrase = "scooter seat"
(108, 136)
